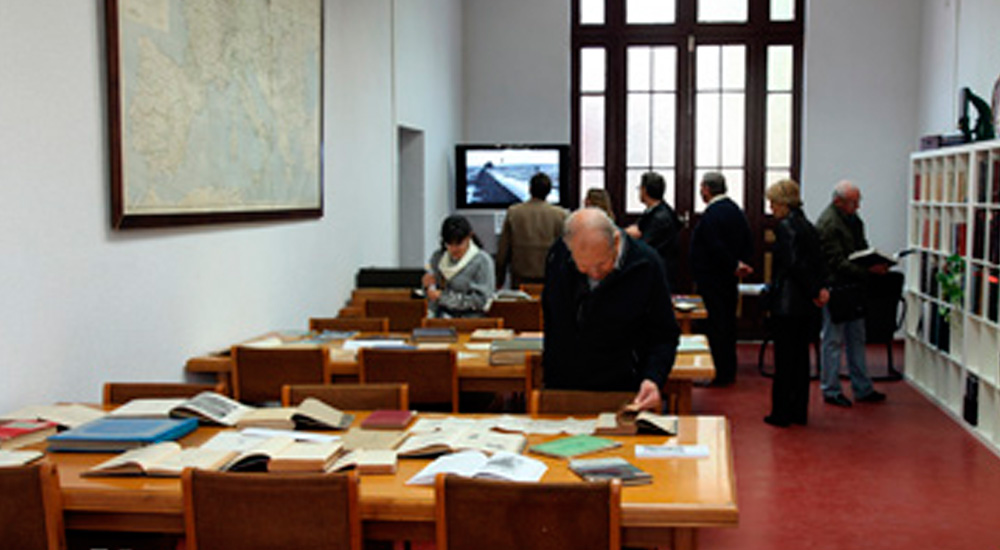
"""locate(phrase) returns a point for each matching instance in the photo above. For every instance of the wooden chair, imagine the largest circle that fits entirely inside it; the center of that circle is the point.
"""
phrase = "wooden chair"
(361, 295)
(119, 393)
(223, 511)
(31, 516)
(259, 373)
(351, 311)
(404, 315)
(475, 514)
(361, 324)
(520, 315)
(463, 324)
(577, 401)
(533, 289)
(432, 375)
(351, 397)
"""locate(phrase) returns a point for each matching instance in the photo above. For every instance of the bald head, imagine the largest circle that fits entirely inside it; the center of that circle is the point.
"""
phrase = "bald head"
(846, 197)
(593, 240)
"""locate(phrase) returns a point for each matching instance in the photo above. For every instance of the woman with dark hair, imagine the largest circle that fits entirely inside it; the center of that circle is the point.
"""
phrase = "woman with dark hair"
(460, 276)
(796, 296)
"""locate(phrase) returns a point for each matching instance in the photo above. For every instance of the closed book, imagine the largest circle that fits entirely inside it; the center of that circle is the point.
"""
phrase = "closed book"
(604, 469)
(435, 334)
(483, 334)
(511, 352)
(367, 462)
(386, 419)
(574, 445)
(166, 459)
(18, 433)
(111, 435)
(870, 256)
(18, 458)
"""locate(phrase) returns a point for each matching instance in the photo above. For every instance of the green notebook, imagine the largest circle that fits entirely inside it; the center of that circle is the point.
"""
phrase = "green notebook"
(574, 445)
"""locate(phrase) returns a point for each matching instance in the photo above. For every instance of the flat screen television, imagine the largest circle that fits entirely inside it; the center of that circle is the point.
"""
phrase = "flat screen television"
(497, 176)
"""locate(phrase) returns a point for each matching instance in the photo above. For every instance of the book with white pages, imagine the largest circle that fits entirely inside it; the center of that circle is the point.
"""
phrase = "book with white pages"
(305, 456)
(18, 458)
(69, 415)
(253, 450)
(692, 343)
(671, 451)
(367, 461)
(501, 466)
(445, 441)
(166, 459)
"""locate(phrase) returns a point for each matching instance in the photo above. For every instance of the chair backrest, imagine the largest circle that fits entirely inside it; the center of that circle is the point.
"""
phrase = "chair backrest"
(351, 311)
(463, 324)
(31, 516)
(118, 393)
(475, 514)
(223, 511)
(520, 315)
(535, 376)
(360, 295)
(259, 373)
(351, 397)
(404, 315)
(577, 401)
(533, 289)
(363, 324)
(431, 374)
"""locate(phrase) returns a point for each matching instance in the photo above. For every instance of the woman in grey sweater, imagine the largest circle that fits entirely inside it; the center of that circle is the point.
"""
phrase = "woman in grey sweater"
(460, 277)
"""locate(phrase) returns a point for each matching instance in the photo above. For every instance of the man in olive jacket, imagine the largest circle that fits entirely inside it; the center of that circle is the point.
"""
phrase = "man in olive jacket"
(841, 233)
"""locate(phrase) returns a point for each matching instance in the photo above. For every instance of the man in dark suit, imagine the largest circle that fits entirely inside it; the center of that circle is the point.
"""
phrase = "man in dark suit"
(658, 226)
(721, 248)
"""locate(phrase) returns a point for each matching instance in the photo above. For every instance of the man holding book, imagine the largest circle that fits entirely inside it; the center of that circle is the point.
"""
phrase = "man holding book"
(841, 233)
(609, 323)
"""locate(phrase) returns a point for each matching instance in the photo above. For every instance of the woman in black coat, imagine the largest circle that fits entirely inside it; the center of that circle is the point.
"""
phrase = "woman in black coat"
(796, 297)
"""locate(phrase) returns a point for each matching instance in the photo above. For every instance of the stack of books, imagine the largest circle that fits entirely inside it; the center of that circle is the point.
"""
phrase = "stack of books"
(511, 352)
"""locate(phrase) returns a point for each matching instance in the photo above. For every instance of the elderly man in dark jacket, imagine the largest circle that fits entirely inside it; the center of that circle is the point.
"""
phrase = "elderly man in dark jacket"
(609, 324)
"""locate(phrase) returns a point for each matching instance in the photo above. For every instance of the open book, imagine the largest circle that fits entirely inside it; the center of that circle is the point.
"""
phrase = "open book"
(67, 415)
(18, 458)
(367, 461)
(165, 459)
(261, 452)
(629, 422)
(502, 465)
(446, 441)
(872, 256)
(214, 408)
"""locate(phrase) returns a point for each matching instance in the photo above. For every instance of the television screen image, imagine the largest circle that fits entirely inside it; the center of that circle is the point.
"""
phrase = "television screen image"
(498, 176)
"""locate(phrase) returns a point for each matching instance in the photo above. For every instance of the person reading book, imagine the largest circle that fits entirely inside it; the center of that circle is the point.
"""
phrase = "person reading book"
(609, 320)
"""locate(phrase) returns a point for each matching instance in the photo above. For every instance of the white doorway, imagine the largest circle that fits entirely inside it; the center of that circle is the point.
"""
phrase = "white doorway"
(410, 143)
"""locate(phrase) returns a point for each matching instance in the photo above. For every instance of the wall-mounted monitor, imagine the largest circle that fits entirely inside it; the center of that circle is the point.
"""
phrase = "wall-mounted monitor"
(497, 176)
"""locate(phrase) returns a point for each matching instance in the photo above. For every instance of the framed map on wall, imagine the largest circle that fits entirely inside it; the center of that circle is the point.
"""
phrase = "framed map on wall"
(215, 110)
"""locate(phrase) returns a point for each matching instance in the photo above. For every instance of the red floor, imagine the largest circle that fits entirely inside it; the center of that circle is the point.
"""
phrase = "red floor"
(895, 475)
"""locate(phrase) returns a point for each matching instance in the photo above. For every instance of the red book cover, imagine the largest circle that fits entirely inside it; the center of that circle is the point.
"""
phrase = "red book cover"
(959, 247)
(17, 433)
(386, 419)
(916, 187)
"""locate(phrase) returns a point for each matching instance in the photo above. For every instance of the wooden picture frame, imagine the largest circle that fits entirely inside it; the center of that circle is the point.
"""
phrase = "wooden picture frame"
(215, 114)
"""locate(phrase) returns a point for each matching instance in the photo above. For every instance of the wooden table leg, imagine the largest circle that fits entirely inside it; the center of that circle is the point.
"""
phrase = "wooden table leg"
(685, 538)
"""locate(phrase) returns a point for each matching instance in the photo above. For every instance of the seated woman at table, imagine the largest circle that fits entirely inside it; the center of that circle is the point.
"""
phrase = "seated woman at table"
(460, 276)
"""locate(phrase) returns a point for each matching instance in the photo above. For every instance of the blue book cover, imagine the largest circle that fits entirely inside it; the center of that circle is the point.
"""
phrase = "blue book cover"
(121, 434)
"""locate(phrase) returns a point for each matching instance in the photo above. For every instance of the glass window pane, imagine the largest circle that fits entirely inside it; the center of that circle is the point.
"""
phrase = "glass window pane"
(717, 11)
(664, 129)
(592, 69)
(592, 12)
(779, 130)
(779, 68)
(707, 125)
(639, 68)
(638, 12)
(592, 131)
(770, 177)
(733, 121)
(590, 179)
(734, 185)
(632, 203)
(734, 67)
(708, 67)
(665, 68)
(782, 10)
(637, 146)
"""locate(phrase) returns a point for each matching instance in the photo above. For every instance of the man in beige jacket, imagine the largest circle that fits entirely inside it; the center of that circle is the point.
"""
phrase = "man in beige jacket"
(529, 230)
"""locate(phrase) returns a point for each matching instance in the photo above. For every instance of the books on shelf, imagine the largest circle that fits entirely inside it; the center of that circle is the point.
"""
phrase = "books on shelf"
(573, 446)
(446, 441)
(18, 458)
(367, 462)
(511, 352)
(166, 459)
(18, 433)
(111, 435)
(605, 469)
(435, 334)
(489, 334)
(502, 466)
(387, 419)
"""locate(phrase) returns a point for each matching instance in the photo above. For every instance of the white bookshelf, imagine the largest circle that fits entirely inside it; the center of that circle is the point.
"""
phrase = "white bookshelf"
(954, 208)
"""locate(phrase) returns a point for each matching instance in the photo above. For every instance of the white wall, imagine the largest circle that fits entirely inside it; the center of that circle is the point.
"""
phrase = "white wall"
(81, 304)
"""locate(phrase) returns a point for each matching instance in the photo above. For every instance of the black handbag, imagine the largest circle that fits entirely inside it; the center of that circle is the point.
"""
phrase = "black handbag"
(847, 302)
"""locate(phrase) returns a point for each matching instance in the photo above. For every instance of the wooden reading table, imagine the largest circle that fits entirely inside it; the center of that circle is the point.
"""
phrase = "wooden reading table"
(687, 494)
